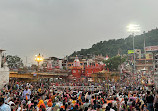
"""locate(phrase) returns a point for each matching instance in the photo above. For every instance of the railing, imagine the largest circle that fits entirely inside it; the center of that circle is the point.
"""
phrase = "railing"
(40, 75)
(12, 75)
(144, 64)
(79, 87)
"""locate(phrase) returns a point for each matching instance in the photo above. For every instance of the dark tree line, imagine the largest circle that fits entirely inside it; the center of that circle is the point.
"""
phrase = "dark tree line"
(111, 47)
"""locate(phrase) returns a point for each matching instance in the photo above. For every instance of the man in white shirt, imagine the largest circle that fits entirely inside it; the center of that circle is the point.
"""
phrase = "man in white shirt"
(3, 106)
(26, 92)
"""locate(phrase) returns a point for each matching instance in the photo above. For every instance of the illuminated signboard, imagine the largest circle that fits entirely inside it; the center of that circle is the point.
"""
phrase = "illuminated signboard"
(151, 48)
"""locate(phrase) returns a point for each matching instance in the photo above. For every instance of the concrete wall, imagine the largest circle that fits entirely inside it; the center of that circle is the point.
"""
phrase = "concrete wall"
(4, 76)
(4, 72)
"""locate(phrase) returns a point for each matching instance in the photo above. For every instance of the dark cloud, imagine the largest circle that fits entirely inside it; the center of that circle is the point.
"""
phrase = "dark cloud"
(59, 27)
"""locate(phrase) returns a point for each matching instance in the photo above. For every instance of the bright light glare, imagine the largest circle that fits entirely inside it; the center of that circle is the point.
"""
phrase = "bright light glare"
(133, 28)
(39, 58)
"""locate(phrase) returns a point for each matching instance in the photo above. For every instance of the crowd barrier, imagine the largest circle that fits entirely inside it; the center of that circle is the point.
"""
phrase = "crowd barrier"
(80, 87)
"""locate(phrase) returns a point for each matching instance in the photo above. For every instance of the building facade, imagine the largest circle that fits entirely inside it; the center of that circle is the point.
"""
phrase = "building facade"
(4, 71)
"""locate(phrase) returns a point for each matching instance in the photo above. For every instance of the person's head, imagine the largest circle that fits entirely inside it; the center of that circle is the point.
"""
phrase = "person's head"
(61, 109)
(12, 106)
(98, 106)
(1, 100)
(69, 103)
(115, 98)
(86, 109)
(148, 92)
(131, 99)
(110, 105)
(107, 108)
(32, 106)
(64, 103)
(26, 88)
(94, 101)
(87, 100)
(133, 103)
(80, 104)
(76, 106)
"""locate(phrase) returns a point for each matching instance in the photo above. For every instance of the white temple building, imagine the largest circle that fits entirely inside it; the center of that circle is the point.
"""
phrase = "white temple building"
(76, 62)
(4, 71)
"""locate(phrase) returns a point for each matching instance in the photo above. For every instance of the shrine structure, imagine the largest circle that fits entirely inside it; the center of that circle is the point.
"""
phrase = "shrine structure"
(90, 69)
(77, 71)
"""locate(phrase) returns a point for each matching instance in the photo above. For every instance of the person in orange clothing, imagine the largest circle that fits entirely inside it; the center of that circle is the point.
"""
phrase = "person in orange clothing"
(41, 102)
(109, 101)
(79, 98)
(63, 106)
(49, 103)
(42, 107)
(53, 97)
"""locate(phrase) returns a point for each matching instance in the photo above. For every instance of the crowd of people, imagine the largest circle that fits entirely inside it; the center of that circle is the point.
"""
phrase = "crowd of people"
(76, 96)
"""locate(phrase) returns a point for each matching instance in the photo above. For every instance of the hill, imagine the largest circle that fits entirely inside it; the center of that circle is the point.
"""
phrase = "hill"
(111, 47)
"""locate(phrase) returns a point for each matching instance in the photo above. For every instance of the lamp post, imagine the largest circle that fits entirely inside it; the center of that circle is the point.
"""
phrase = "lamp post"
(133, 28)
(38, 59)
(144, 51)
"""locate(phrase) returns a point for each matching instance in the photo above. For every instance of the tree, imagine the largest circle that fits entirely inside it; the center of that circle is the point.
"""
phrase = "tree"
(114, 62)
(14, 62)
(111, 47)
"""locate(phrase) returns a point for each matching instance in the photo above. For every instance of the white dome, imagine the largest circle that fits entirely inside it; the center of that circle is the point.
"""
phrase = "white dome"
(76, 62)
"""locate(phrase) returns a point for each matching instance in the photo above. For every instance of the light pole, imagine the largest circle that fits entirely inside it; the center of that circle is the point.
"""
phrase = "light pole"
(144, 51)
(38, 59)
(133, 28)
